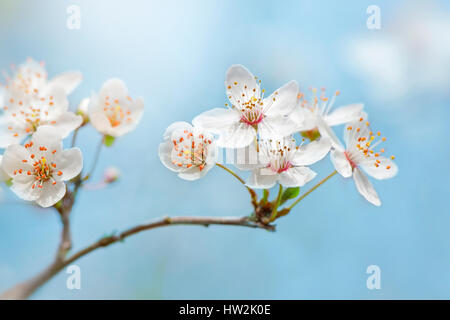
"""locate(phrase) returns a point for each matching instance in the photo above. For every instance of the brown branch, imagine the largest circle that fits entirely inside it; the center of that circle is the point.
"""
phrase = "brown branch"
(27, 288)
(66, 240)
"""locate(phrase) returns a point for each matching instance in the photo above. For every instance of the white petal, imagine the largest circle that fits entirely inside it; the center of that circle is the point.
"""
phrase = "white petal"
(3, 175)
(194, 173)
(114, 89)
(12, 162)
(51, 194)
(304, 119)
(276, 127)
(30, 68)
(351, 136)
(341, 164)
(100, 122)
(260, 179)
(326, 131)
(8, 137)
(70, 163)
(312, 152)
(59, 99)
(176, 128)
(48, 137)
(365, 188)
(344, 114)
(296, 176)
(282, 101)
(137, 109)
(216, 120)
(238, 135)
(67, 80)
(16, 134)
(381, 172)
(67, 122)
(24, 190)
(165, 155)
(238, 81)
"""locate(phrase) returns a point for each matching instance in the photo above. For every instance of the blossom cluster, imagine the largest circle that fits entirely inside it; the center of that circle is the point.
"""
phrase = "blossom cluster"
(35, 118)
(283, 133)
(275, 130)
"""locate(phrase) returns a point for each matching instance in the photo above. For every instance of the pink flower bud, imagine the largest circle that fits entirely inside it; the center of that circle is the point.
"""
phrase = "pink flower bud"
(111, 175)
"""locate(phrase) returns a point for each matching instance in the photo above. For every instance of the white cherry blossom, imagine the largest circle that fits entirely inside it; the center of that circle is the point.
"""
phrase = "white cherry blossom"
(39, 169)
(315, 113)
(250, 114)
(360, 153)
(285, 162)
(32, 75)
(112, 111)
(30, 101)
(188, 150)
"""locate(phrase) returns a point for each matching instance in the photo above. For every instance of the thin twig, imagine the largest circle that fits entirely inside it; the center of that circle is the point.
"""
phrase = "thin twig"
(312, 189)
(66, 239)
(277, 203)
(96, 157)
(25, 289)
(250, 190)
(231, 172)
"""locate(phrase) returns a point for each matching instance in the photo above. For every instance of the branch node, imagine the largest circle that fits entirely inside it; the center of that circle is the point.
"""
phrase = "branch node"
(167, 220)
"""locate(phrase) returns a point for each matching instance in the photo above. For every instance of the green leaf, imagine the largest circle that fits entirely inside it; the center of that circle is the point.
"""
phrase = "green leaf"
(8, 183)
(108, 141)
(289, 193)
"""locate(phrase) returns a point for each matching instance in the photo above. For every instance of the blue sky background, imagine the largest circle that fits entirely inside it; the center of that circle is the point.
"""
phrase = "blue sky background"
(174, 54)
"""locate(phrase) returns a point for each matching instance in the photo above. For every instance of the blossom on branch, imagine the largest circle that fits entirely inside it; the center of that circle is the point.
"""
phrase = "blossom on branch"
(30, 101)
(315, 113)
(188, 150)
(250, 114)
(285, 162)
(360, 153)
(39, 169)
(32, 75)
(112, 111)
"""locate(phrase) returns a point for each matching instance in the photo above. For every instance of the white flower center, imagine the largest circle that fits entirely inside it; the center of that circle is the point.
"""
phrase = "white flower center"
(32, 116)
(190, 150)
(43, 170)
(249, 104)
(362, 147)
(279, 153)
(116, 112)
(320, 105)
(252, 111)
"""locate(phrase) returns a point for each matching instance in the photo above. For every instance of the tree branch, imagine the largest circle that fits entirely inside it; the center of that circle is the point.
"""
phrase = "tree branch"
(27, 288)
(66, 240)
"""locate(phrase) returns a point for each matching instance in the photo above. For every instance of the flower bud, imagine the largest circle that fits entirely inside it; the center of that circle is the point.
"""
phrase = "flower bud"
(83, 110)
(83, 107)
(111, 175)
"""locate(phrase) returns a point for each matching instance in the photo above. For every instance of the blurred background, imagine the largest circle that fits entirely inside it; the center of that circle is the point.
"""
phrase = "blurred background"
(174, 54)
